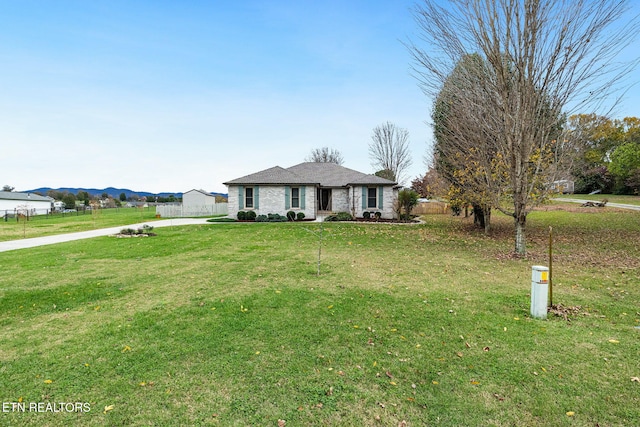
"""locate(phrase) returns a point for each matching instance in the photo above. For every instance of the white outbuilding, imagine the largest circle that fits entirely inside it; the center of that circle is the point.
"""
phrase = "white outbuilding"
(195, 203)
(13, 203)
(198, 203)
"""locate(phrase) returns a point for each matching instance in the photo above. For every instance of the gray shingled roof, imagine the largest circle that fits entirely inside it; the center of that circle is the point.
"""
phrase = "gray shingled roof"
(324, 174)
(333, 175)
(11, 195)
(274, 175)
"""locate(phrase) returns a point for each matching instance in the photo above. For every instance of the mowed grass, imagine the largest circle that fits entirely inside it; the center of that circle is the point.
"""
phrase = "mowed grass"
(45, 225)
(228, 324)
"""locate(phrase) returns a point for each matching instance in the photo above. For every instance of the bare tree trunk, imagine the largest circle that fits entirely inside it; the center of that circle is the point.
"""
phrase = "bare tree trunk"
(482, 216)
(487, 219)
(521, 244)
(478, 215)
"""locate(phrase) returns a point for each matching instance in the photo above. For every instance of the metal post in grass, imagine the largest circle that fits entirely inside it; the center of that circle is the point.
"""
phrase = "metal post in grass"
(550, 266)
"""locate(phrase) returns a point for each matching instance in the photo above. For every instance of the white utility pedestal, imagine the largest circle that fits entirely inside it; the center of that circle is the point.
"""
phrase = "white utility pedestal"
(539, 291)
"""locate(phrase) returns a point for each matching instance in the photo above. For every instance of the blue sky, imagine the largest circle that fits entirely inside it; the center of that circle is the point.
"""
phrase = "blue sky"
(170, 95)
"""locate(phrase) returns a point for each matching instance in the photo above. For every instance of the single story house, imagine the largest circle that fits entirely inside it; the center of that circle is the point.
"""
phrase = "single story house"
(134, 204)
(563, 186)
(313, 188)
(12, 203)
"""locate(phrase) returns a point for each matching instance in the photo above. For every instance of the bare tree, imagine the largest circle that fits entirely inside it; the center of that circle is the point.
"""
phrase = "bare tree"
(325, 155)
(430, 185)
(7, 188)
(389, 150)
(543, 58)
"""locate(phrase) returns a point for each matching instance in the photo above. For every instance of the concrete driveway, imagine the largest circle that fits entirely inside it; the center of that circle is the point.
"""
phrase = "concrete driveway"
(59, 238)
(613, 205)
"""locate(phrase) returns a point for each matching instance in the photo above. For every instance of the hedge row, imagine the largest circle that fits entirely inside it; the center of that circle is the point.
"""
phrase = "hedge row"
(252, 216)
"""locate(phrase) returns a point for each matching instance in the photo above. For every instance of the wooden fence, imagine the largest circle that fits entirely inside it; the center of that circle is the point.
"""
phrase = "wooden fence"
(23, 213)
(181, 211)
(431, 208)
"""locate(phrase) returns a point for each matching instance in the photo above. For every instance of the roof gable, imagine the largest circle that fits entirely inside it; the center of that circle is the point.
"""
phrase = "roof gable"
(198, 191)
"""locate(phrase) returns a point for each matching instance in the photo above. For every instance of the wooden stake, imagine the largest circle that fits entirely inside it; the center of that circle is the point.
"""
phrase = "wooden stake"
(320, 245)
(550, 266)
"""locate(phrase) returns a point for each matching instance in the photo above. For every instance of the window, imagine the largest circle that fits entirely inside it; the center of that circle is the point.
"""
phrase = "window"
(248, 197)
(295, 197)
(372, 197)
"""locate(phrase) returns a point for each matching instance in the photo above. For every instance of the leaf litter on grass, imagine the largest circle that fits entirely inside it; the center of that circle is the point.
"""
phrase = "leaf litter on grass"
(300, 320)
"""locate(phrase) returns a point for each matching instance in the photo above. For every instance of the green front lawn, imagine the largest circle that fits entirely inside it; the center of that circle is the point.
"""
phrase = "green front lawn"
(228, 324)
(45, 225)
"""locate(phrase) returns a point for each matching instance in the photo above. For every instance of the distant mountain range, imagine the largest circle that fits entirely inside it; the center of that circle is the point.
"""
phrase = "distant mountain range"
(113, 192)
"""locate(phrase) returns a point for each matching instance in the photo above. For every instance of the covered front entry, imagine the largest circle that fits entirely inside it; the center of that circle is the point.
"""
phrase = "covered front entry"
(324, 199)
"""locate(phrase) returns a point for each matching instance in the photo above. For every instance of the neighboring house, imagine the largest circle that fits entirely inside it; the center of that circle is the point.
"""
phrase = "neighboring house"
(24, 203)
(563, 186)
(316, 189)
(136, 205)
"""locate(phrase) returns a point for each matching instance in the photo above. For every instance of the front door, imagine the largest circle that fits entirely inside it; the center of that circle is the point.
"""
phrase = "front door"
(324, 199)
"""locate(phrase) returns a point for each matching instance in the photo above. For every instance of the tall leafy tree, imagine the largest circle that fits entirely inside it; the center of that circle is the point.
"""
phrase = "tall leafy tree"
(69, 201)
(83, 197)
(597, 139)
(465, 155)
(386, 174)
(625, 165)
(55, 194)
(429, 185)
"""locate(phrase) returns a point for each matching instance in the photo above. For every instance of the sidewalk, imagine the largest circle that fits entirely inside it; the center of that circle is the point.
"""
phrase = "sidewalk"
(12, 245)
